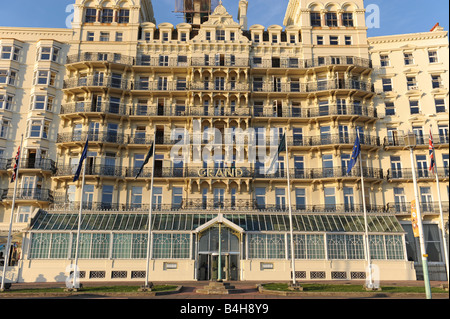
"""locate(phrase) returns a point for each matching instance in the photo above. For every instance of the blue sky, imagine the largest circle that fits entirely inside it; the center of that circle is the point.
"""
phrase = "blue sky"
(396, 17)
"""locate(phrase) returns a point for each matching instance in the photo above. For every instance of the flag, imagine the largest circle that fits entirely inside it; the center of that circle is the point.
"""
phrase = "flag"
(355, 154)
(13, 177)
(281, 148)
(414, 219)
(147, 159)
(80, 165)
(432, 160)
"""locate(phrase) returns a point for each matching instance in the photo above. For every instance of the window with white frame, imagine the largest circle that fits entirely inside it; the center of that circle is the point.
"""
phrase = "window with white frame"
(42, 102)
(6, 101)
(119, 36)
(104, 36)
(433, 56)
(44, 77)
(4, 127)
(8, 77)
(90, 15)
(334, 40)
(90, 36)
(124, 16)
(38, 128)
(9, 52)
(24, 214)
(384, 60)
(48, 54)
(408, 58)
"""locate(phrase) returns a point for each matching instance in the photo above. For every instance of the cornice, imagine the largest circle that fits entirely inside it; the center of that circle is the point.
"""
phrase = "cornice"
(408, 37)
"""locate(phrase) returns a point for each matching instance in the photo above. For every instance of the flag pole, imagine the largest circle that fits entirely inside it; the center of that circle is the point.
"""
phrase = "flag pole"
(290, 210)
(366, 231)
(150, 211)
(11, 219)
(440, 209)
(80, 212)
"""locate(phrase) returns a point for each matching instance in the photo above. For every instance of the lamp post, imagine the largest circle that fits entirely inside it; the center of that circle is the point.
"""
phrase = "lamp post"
(411, 142)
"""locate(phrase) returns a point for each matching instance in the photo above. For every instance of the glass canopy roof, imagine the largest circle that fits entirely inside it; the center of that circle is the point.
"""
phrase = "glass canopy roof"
(189, 222)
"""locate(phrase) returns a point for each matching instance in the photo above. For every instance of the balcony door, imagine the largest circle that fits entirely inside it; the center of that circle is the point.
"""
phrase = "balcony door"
(422, 166)
(219, 197)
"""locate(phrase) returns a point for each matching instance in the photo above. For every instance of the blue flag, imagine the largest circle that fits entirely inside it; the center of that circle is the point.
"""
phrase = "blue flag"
(80, 165)
(355, 154)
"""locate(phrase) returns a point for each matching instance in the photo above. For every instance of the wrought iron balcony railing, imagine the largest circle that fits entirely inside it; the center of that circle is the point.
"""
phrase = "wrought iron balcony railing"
(327, 110)
(297, 87)
(33, 163)
(101, 137)
(330, 139)
(101, 57)
(35, 194)
(425, 208)
(97, 81)
(420, 140)
(424, 173)
(92, 170)
(296, 63)
(89, 107)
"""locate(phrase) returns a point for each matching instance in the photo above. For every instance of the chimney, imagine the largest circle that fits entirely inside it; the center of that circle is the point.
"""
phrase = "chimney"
(242, 14)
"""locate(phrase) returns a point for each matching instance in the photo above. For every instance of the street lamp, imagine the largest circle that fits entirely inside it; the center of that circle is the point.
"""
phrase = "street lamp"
(411, 142)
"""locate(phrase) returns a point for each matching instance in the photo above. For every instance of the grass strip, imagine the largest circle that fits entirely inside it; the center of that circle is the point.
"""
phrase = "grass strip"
(105, 289)
(348, 288)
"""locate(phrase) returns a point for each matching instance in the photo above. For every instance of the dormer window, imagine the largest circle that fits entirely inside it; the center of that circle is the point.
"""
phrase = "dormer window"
(220, 35)
(165, 36)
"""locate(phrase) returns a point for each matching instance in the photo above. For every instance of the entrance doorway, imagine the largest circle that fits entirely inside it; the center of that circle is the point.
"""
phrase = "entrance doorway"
(209, 267)
(209, 250)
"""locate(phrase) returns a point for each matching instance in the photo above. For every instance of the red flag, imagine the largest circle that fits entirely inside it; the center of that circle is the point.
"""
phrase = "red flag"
(432, 159)
(13, 177)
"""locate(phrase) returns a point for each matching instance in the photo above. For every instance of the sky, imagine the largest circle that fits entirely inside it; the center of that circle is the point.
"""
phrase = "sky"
(396, 17)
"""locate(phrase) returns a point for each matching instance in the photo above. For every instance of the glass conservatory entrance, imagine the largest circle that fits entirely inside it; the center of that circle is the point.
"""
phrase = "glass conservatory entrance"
(218, 245)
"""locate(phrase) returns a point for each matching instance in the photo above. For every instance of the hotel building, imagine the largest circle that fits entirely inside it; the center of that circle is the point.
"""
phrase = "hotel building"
(124, 83)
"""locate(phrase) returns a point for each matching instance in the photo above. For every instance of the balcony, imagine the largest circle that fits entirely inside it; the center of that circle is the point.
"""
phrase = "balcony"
(425, 208)
(311, 87)
(332, 139)
(394, 141)
(102, 137)
(225, 61)
(322, 173)
(223, 87)
(182, 110)
(116, 58)
(89, 107)
(160, 86)
(5, 163)
(34, 164)
(97, 82)
(421, 174)
(92, 170)
(296, 63)
(211, 205)
(28, 194)
(328, 110)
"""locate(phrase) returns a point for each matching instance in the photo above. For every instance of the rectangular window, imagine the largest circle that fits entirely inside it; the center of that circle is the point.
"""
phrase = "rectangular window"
(300, 198)
(6, 101)
(10, 53)
(90, 36)
(280, 198)
(414, 107)
(334, 40)
(330, 199)
(107, 15)
(260, 194)
(433, 56)
(119, 36)
(331, 19)
(45, 53)
(411, 83)
(408, 58)
(4, 127)
(124, 16)
(390, 108)
(183, 37)
(165, 36)
(232, 36)
(436, 81)
(91, 15)
(136, 197)
(104, 36)
(348, 40)
(387, 85)
(208, 35)
(319, 40)
(177, 197)
(316, 20)
(384, 60)
(220, 35)
(440, 105)
(347, 19)
(107, 196)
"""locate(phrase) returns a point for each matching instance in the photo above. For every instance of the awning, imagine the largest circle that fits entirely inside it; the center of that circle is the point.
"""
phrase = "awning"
(137, 222)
